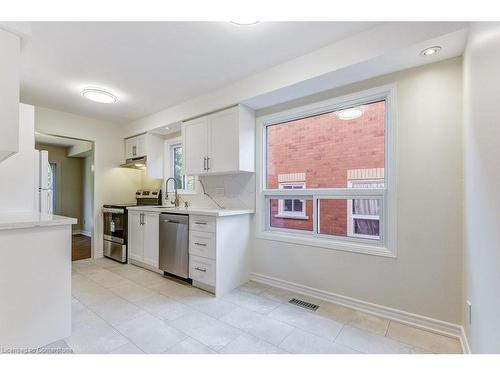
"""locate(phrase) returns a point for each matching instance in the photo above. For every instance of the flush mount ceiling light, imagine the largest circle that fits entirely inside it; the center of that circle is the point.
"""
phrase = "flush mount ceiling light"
(243, 22)
(430, 51)
(350, 113)
(99, 95)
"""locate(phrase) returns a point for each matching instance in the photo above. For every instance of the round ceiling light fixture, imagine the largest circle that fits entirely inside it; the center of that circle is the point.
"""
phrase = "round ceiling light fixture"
(243, 22)
(99, 95)
(430, 51)
(350, 113)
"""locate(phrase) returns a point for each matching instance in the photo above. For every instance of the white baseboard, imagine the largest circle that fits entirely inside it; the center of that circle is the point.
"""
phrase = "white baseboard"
(82, 232)
(415, 320)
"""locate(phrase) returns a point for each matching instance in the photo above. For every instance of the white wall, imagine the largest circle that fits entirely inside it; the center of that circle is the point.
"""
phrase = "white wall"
(482, 187)
(88, 182)
(17, 172)
(425, 278)
(111, 183)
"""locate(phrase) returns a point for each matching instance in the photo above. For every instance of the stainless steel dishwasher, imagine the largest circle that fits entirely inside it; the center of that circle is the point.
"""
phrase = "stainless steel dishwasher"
(174, 244)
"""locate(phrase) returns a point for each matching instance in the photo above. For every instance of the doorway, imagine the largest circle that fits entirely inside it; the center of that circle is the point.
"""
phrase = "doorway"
(71, 177)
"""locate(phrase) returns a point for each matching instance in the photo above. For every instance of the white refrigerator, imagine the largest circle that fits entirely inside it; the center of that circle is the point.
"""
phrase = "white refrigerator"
(43, 183)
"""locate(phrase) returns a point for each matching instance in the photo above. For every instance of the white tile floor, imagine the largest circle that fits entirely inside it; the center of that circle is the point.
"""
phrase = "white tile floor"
(126, 309)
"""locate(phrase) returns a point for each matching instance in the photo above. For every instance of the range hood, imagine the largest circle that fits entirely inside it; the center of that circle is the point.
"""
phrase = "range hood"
(135, 163)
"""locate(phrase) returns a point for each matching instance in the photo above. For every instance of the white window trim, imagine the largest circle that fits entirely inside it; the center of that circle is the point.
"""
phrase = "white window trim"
(169, 162)
(351, 216)
(386, 246)
(282, 214)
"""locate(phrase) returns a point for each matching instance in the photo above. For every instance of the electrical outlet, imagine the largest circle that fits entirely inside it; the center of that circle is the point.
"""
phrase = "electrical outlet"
(220, 192)
(469, 311)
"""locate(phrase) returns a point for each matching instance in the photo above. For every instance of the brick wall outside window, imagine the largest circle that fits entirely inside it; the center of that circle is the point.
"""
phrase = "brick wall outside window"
(324, 148)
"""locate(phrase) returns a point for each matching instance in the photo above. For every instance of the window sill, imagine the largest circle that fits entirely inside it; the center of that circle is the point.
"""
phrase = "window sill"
(325, 243)
(294, 217)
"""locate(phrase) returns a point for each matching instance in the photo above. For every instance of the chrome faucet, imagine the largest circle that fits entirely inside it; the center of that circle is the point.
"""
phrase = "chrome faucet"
(176, 199)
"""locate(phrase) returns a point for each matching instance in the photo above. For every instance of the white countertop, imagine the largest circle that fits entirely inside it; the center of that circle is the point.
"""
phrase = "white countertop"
(18, 220)
(192, 210)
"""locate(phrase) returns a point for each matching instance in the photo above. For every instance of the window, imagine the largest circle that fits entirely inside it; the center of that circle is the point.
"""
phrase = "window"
(182, 182)
(324, 179)
(364, 214)
(292, 208)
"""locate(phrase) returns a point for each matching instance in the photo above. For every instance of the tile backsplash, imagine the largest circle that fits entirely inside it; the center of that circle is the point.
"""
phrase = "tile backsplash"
(235, 191)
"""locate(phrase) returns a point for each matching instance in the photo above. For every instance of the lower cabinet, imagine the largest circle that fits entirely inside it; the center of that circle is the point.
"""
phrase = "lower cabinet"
(219, 253)
(143, 237)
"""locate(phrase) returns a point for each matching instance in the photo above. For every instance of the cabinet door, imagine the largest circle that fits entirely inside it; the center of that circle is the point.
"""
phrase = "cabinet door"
(151, 239)
(140, 142)
(224, 141)
(135, 236)
(129, 148)
(195, 150)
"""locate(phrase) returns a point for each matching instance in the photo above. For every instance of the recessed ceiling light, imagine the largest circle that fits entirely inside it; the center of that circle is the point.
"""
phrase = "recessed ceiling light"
(244, 22)
(99, 95)
(350, 113)
(430, 51)
(166, 128)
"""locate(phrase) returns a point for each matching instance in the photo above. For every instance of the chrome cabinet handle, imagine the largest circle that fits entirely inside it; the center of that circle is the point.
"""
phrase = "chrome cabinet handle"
(208, 163)
(134, 150)
(200, 269)
(205, 164)
(200, 223)
(200, 244)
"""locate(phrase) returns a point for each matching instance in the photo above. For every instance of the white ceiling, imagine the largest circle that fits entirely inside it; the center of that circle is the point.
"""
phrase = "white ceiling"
(152, 66)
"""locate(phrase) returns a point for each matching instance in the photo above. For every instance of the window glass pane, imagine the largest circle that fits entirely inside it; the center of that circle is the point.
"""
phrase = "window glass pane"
(177, 154)
(349, 217)
(366, 227)
(297, 205)
(328, 150)
(288, 219)
(288, 205)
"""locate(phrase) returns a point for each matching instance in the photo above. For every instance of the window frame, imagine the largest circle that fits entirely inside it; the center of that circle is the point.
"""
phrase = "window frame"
(169, 168)
(351, 216)
(385, 246)
(282, 214)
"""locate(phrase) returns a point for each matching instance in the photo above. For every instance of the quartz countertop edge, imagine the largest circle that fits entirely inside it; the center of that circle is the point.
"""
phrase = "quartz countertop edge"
(21, 220)
(192, 210)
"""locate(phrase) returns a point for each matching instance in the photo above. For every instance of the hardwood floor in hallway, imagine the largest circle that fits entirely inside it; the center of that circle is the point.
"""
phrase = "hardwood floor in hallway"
(80, 247)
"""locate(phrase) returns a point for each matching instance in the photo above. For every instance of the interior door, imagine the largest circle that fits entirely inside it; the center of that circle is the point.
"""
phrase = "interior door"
(224, 141)
(195, 150)
(135, 236)
(151, 239)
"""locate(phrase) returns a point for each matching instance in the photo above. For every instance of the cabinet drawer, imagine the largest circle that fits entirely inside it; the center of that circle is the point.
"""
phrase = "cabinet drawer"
(202, 223)
(202, 270)
(202, 244)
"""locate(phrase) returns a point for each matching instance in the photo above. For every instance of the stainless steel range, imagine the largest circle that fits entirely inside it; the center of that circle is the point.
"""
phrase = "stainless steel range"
(115, 223)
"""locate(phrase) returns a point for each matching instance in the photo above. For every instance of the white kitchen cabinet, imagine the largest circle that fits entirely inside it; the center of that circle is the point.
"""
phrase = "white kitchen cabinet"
(195, 135)
(9, 94)
(149, 146)
(143, 238)
(151, 227)
(220, 143)
(135, 147)
(219, 252)
(135, 236)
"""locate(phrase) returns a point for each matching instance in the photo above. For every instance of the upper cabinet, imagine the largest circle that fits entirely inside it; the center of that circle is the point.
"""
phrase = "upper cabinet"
(9, 94)
(220, 143)
(149, 146)
(135, 147)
